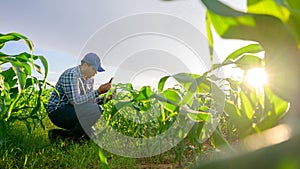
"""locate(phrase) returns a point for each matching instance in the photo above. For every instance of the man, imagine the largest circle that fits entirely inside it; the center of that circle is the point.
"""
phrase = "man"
(73, 106)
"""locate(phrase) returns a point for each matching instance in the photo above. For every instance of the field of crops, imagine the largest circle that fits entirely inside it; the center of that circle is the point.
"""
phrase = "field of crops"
(201, 118)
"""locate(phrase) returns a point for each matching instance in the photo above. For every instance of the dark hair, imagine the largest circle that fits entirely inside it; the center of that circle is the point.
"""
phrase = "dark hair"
(83, 62)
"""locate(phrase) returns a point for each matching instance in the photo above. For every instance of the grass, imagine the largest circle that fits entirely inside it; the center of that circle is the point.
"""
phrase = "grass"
(24, 150)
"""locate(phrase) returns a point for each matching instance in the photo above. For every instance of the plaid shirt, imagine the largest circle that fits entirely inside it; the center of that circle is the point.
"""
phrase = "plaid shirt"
(72, 89)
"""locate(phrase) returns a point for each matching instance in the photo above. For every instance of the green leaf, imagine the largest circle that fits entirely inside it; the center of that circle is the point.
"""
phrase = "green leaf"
(196, 116)
(8, 37)
(282, 58)
(197, 83)
(186, 79)
(246, 106)
(221, 9)
(252, 48)
(27, 68)
(15, 37)
(7, 86)
(293, 4)
(45, 64)
(22, 57)
(199, 116)
(161, 83)
(218, 96)
(280, 106)
(273, 8)
(230, 17)
(248, 62)
(220, 141)
(17, 67)
(209, 36)
(240, 120)
(9, 75)
(171, 95)
(103, 159)
(232, 110)
(118, 106)
(144, 94)
(38, 68)
(187, 99)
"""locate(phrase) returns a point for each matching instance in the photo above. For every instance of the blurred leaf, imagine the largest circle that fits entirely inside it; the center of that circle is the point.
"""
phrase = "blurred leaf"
(198, 82)
(186, 79)
(275, 108)
(286, 10)
(273, 8)
(230, 17)
(246, 105)
(220, 141)
(248, 62)
(209, 37)
(280, 106)
(278, 56)
(103, 160)
(295, 5)
(187, 99)
(199, 116)
(252, 48)
(118, 106)
(196, 116)
(172, 95)
(241, 121)
(218, 96)
(234, 84)
(144, 93)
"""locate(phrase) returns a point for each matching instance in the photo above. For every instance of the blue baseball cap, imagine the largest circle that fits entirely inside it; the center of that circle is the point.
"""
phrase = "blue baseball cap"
(93, 60)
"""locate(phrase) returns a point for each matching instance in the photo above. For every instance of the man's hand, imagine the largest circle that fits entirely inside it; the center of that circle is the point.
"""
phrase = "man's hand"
(104, 88)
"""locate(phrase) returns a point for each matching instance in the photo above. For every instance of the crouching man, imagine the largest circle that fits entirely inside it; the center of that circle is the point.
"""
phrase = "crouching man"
(72, 106)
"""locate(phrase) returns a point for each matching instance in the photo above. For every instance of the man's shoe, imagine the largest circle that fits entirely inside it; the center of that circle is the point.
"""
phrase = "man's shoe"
(58, 134)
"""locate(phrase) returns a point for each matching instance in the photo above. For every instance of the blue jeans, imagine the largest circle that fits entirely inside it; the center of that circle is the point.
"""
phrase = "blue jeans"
(78, 120)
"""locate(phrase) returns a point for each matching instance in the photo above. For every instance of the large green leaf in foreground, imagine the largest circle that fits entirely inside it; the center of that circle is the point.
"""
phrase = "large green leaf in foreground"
(275, 28)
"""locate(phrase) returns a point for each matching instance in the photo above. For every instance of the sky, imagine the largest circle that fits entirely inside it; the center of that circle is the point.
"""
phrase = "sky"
(121, 32)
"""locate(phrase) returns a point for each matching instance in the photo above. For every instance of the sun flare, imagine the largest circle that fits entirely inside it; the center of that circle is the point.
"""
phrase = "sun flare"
(256, 77)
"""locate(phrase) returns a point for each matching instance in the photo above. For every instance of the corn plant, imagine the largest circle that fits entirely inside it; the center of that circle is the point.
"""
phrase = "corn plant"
(22, 94)
(274, 26)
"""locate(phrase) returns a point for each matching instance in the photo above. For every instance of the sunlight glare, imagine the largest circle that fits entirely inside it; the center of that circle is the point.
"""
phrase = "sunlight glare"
(256, 77)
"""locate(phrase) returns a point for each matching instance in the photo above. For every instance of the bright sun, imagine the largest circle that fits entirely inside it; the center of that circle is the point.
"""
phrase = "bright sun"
(256, 77)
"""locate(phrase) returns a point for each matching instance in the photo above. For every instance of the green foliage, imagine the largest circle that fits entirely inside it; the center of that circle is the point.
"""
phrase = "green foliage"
(275, 26)
(23, 95)
(145, 112)
(148, 112)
